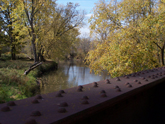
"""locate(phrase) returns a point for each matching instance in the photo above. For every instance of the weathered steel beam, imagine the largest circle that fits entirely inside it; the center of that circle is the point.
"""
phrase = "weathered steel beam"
(74, 104)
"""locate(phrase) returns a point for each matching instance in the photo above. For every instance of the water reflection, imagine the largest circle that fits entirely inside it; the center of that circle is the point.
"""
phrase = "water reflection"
(69, 74)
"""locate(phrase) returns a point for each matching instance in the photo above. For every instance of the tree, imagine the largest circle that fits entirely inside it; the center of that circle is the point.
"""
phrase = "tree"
(11, 25)
(64, 29)
(47, 25)
(83, 46)
(33, 9)
(135, 30)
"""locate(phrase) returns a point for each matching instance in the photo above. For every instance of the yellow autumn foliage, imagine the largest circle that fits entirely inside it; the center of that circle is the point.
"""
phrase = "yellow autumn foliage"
(135, 36)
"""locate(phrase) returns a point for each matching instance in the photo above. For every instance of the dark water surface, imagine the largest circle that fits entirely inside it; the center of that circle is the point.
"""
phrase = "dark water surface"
(69, 75)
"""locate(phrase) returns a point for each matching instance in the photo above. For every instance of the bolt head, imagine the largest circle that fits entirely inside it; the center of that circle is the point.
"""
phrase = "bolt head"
(61, 91)
(118, 79)
(80, 86)
(85, 98)
(36, 113)
(102, 91)
(79, 89)
(59, 95)
(103, 95)
(61, 110)
(95, 85)
(11, 103)
(35, 101)
(107, 81)
(30, 121)
(62, 104)
(118, 89)
(5, 109)
(84, 102)
(38, 97)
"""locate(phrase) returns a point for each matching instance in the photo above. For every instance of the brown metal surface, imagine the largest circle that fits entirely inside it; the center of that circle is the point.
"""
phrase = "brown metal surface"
(73, 104)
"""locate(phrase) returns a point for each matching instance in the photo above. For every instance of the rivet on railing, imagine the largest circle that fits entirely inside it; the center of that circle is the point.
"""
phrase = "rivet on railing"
(61, 110)
(143, 78)
(80, 86)
(79, 89)
(38, 97)
(84, 98)
(103, 95)
(36, 113)
(11, 103)
(84, 102)
(118, 89)
(118, 79)
(102, 91)
(61, 91)
(62, 104)
(129, 85)
(35, 101)
(135, 80)
(59, 95)
(139, 82)
(30, 121)
(5, 109)
(153, 77)
(138, 74)
(126, 77)
(95, 84)
(107, 81)
(133, 75)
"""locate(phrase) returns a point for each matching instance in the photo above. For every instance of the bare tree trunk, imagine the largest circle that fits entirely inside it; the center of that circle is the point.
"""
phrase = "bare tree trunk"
(12, 51)
(32, 32)
(34, 48)
(162, 54)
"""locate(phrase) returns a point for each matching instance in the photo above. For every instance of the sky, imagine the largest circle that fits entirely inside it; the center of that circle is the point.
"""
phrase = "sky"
(86, 5)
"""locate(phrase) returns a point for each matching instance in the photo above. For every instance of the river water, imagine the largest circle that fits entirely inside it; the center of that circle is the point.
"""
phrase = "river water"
(69, 74)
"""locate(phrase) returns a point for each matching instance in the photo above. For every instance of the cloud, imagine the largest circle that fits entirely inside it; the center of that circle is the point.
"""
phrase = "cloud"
(85, 30)
(88, 15)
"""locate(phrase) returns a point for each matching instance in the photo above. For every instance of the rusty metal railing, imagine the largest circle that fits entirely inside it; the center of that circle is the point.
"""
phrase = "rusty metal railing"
(74, 104)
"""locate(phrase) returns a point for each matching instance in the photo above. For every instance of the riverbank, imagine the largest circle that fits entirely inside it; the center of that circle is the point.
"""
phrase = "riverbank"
(14, 85)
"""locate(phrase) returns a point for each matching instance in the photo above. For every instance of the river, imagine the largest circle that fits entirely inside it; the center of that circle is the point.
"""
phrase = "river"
(69, 75)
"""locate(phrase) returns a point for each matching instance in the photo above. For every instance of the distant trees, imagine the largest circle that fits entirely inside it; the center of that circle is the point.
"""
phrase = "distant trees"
(83, 46)
(131, 35)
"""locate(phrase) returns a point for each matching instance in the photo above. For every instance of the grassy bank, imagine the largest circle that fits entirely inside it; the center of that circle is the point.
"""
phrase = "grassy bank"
(14, 85)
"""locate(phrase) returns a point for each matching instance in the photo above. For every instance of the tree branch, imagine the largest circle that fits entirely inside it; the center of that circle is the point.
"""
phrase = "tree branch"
(157, 45)
(32, 67)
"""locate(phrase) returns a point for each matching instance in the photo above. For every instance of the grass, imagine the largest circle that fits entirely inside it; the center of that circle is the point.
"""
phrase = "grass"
(14, 85)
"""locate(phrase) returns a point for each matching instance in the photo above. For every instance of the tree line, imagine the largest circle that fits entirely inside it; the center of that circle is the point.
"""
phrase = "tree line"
(129, 36)
(40, 26)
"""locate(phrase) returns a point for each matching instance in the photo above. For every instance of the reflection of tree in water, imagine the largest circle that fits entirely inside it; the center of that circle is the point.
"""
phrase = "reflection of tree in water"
(55, 81)
(69, 74)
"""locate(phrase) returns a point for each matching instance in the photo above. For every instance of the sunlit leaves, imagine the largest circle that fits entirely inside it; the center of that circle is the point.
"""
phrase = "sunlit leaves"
(134, 36)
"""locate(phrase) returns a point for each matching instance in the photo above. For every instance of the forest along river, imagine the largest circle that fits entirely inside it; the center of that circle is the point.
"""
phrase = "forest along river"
(69, 75)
